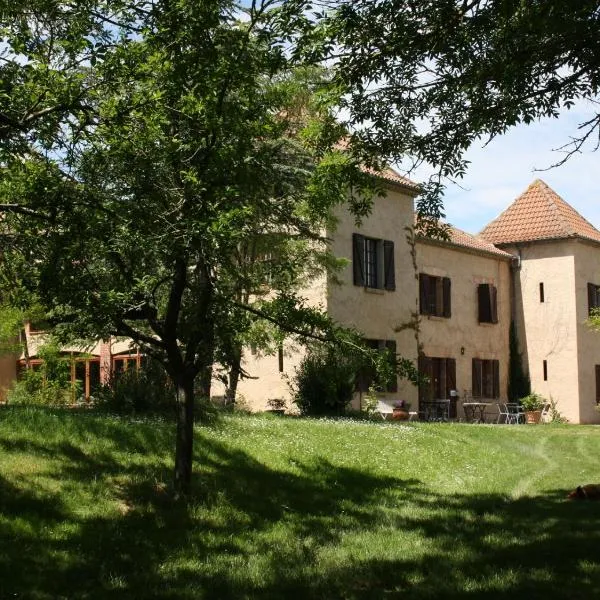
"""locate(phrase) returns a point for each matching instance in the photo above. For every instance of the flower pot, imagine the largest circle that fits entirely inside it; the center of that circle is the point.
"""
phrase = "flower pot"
(400, 414)
(533, 416)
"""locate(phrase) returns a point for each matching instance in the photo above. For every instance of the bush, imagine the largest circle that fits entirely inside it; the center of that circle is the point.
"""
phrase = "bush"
(147, 390)
(49, 384)
(324, 382)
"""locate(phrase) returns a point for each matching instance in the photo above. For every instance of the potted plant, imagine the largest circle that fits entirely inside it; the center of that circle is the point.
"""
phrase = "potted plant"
(532, 405)
(400, 410)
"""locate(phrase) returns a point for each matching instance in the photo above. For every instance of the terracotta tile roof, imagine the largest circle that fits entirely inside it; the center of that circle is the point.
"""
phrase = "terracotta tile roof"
(462, 239)
(539, 213)
(389, 174)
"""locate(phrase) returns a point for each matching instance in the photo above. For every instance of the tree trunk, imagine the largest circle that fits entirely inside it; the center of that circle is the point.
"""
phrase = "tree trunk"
(234, 376)
(184, 446)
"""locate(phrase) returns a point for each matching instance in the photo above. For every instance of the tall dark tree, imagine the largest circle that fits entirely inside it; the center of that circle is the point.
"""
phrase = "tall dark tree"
(129, 201)
(425, 79)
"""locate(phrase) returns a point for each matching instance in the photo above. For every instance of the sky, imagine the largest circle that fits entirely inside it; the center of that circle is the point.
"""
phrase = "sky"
(502, 170)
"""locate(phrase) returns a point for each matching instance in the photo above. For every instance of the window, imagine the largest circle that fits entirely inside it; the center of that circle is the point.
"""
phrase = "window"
(541, 291)
(487, 296)
(367, 376)
(373, 262)
(434, 295)
(593, 297)
(280, 358)
(545, 369)
(486, 378)
(597, 371)
(441, 375)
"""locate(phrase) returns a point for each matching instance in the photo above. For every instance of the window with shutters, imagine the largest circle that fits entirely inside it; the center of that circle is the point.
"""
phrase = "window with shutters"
(373, 262)
(368, 375)
(487, 297)
(434, 295)
(486, 378)
(439, 377)
(593, 298)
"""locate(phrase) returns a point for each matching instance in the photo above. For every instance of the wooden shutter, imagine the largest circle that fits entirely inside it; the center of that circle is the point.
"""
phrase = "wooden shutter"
(425, 370)
(392, 385)
(597, 368)
(591, 297)
(358, 258)
(476, 371)
(389, 271)
(451, 385)
(424, 293)
(496, 378)
(483, 302)
(494, 303)
(446, 296)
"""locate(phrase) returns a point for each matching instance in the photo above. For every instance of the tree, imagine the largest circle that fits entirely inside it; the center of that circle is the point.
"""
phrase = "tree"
(425, 79)
(126, 212)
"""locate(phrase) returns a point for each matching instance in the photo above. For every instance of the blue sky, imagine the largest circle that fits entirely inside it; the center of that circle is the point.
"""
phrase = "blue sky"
(502, 170)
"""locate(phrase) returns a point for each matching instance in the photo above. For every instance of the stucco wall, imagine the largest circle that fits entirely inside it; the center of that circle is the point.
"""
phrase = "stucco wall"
(548, 330)
(378, 313)
(461, 336)
(587, 270)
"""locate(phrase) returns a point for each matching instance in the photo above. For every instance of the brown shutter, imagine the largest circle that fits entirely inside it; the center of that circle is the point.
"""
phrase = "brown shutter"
(425, 370)
(597, 368)
(483, 302)
(591, 297)
(476, 378)
(358, 258)
(389, 281)
(496, 378)
(446, 295)
(451, 385)
(450, 376)
(494, 303)
(391, 348)
(423, 293)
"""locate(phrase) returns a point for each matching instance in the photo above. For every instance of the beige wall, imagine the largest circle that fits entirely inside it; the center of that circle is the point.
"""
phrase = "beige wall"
(447, 337)
(374, 312)
(548, 330)
(587, 270)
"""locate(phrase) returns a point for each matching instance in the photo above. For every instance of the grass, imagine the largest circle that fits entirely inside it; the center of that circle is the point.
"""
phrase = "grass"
(292, 508)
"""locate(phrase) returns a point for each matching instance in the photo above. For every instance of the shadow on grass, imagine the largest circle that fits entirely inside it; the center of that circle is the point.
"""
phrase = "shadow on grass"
(256, 532)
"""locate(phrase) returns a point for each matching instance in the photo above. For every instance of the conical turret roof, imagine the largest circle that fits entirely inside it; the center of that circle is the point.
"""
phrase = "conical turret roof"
(539, 213)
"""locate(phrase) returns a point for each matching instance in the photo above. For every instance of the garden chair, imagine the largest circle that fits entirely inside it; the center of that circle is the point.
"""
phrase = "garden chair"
(515, 413)
(545, 417)
(502, 413)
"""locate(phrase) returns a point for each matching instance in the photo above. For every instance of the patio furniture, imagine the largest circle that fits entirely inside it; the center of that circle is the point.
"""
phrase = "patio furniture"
(434, 410)
(475, 411)
(503, 414)
(516, 414)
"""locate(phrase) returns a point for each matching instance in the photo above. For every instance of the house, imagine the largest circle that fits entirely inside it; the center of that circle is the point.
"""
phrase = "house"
(445, 304)
(448, 304)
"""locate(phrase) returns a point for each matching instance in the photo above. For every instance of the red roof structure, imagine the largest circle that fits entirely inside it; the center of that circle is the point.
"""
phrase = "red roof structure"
(539, 213)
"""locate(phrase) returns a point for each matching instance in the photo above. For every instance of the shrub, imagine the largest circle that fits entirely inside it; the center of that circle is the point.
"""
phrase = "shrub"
(135, 391)
(324, 382)
(49, 384)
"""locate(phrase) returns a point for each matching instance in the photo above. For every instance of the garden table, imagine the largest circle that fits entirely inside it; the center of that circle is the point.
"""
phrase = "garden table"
(475, 411)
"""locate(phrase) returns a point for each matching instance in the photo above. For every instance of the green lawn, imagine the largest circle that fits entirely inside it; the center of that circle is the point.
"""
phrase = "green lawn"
(293, 508)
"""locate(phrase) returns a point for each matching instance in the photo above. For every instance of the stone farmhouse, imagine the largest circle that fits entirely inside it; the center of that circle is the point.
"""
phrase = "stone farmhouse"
(446, 305)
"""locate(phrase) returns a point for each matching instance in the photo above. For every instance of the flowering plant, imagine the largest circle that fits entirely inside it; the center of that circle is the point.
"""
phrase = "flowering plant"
(402, 404)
